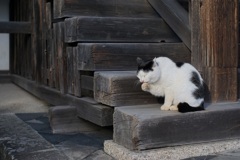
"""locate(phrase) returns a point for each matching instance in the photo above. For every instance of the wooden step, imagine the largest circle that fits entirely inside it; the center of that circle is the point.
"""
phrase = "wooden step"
(119, 88)
(103, 8)
(111, 29)
(87, 107)
(64, 119)
(146, 126)
(122, 56)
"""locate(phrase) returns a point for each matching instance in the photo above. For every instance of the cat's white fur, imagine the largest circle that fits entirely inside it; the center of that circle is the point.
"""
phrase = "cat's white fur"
(168, 80)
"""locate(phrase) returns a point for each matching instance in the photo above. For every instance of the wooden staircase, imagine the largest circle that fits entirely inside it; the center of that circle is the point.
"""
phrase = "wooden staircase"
(89, 51)
(103, 40)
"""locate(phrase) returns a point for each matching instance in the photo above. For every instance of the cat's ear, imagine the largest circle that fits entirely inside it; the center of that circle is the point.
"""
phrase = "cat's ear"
(155, 63)
(139, 61)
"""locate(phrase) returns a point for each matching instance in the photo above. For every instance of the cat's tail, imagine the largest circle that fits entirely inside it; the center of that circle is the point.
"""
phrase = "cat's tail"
(184, 107)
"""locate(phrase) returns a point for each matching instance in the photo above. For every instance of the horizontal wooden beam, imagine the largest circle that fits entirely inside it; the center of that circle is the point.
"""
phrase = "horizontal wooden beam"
(15, 27)
(176, 17)
(87, 108)
(112, 56)
(111, 29)
(119, 88)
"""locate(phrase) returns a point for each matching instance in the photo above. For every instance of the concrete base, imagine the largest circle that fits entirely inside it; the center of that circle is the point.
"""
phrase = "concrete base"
(170, 153)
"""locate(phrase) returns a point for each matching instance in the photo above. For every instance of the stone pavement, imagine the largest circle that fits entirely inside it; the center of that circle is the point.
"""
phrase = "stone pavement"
(25, 133)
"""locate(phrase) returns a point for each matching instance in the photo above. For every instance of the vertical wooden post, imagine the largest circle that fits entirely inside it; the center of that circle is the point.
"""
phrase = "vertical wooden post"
(217, 48)
(194, 20)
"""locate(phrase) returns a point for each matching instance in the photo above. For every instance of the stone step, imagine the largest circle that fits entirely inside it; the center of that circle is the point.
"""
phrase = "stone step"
(143, 127)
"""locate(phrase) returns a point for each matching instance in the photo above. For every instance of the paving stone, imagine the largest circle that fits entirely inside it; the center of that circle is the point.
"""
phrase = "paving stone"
(18, 139)
(42, 155)
(146, 126)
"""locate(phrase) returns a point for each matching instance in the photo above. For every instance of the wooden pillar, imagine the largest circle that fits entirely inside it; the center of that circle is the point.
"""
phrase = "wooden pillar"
(215, 45)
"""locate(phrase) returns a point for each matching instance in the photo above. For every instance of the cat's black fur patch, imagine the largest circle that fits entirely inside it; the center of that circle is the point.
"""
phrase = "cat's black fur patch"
(160, 100)
(199, 92)
(146, 66)
(179, 64)
(184, 107)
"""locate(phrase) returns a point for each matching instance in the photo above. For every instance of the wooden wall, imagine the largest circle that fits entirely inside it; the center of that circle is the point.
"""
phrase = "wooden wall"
(71, 39)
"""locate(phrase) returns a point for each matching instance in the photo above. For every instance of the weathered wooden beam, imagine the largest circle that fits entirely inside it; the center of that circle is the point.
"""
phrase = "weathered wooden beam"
(119, 88)
(103, 8)
(194, 16)
(112, 56)
(146, 126)
(218, 47)
(111, 29)
(87, 108)
(15, 27)
(175, 16)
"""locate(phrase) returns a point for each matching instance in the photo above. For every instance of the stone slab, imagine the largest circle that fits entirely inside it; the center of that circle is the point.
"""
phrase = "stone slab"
(200, 151)
(17, 139)
(146, 126)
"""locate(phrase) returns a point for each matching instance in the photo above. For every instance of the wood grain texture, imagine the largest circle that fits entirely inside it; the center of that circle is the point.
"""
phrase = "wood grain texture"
(219, 48)
(109, 29)
(219, 33)
(87, 108)
(119, 88)
(175, 16)
(122, 56)
(146, 127)
(196, 50)
(103, 8)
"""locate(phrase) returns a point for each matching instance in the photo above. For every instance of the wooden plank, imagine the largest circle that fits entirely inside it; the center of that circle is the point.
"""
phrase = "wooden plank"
(87, 108)
(112, 56)
(94, 112)
(109, 29)
(219, 48)
(194, 13)
(15, 27)
(99, 8)
(222, 83)
(146, 126)
(49, 44)
(175, 16)
(70, 82)
(76, 74)
(64, 119)
(119, 88)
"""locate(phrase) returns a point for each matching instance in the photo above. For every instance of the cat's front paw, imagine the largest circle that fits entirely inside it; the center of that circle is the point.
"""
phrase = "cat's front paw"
(173, 108)
(165, 108)
(145, 87)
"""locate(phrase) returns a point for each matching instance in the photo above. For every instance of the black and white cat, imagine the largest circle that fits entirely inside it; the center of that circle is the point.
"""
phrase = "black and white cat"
(180, 83)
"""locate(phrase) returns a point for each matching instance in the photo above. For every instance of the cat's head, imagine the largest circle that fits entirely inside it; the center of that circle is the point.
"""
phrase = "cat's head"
(148, 71)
